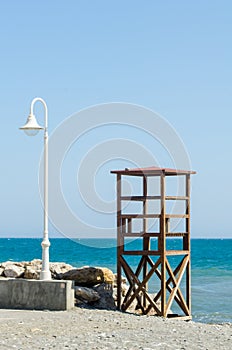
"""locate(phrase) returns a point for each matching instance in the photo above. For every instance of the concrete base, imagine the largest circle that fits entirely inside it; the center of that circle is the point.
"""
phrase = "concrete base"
(36, 294)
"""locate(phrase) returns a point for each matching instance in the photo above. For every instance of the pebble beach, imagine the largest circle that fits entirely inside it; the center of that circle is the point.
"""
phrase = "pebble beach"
(83, 328)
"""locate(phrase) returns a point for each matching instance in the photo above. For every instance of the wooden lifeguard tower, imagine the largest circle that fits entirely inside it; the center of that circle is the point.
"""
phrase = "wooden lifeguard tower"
(161, 268)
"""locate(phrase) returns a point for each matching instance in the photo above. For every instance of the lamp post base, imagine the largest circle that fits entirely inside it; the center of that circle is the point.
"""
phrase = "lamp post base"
(45, 275)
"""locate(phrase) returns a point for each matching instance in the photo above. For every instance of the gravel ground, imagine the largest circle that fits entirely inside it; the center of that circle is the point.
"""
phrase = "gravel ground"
(84, 329)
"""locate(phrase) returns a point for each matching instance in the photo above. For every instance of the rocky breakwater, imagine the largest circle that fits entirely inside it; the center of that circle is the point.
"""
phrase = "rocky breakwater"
(94, 286)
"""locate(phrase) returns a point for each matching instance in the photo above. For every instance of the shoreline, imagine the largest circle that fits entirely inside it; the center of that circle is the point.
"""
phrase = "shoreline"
(211, 273)
(86, 328)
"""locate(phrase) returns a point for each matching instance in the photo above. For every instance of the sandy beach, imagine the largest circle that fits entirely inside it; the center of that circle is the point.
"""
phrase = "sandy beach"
(101, 329)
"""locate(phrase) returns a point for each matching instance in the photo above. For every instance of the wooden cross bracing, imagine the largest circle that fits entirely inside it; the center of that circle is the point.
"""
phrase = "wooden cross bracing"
(137, 287)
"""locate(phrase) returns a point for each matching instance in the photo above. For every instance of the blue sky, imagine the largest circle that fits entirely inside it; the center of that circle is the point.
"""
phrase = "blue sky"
(173, 57)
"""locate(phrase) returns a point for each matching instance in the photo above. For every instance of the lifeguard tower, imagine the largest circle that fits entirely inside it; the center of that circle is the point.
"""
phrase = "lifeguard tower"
(162, 274)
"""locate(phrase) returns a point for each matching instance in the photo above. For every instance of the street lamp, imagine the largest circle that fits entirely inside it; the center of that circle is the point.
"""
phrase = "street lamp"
(31, 128)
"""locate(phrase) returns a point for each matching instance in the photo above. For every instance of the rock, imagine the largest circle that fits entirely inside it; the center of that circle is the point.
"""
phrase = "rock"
(37, 262)
(57, 269)
(1, 271)
(13, 271)
(32, 272)
(32, 269)
(10, 263)
(86, 294)
(106, 301)
(89, 276)
(108, 275)
(124, 289)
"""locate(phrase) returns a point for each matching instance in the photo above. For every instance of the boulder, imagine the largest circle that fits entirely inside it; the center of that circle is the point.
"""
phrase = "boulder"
(57, 269)
(1, 271)
(108, 275)
(37, 262)
(89, 276)
(13, 271)
(85, 294)
(32, 272)
(32, 269)
(10, 263)
(106, 301)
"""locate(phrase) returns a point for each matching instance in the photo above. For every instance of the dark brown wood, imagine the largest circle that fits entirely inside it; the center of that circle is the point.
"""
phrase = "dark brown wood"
(152, 171)
(187, 243)
(168, 277)
(142, 234)
(119, 242)
(163, 243)
(139, 198)
(141, 216)
(141, 252)
(146, 239)
(153, 234)
(142, 198)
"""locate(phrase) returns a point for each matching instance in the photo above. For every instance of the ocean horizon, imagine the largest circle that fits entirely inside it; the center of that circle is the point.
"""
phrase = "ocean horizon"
(211, 265)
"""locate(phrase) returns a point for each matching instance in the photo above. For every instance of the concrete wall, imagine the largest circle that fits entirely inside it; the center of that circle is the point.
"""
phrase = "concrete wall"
(36, 294)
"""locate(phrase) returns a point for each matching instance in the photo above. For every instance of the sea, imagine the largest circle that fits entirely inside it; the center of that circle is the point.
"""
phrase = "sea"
(211, 265)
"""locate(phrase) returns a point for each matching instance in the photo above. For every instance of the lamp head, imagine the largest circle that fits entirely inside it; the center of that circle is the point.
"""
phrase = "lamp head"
(31, 128)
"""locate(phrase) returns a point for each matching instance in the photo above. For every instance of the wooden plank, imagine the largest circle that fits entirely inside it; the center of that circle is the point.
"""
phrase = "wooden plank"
(188, 286)
(142, 198)
(167, 225)
(176, 234)
(176, 198)
(123, 228)
(182, 318)
(142, 234)
(177, 252)
(154, 234)
(139, 198)
(141, 252)
(187, 244)
(146, 239)
(120, 246)
(162, 246)
(129, 225)
(140, 216)
(169, 216)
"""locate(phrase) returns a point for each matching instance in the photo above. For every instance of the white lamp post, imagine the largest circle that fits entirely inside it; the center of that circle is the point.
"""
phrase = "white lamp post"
(31, 128)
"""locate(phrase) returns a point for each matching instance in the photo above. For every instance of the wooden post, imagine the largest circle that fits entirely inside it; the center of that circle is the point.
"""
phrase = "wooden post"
(146, 240)
(120, 242)
(163, 244)
(187, 243)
